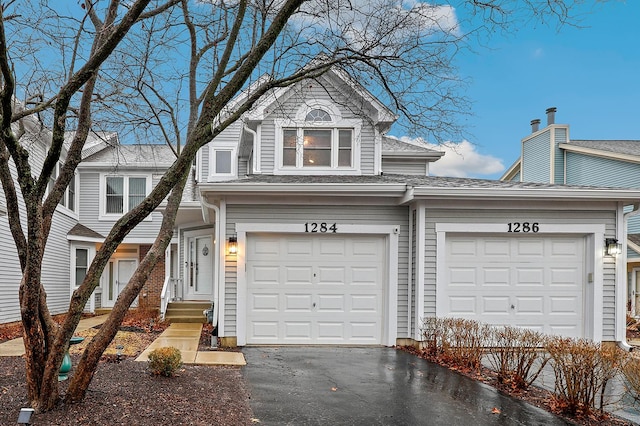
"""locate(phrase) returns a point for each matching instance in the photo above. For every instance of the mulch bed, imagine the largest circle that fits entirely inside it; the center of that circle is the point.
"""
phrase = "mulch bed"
(534, 395)
(124, 393)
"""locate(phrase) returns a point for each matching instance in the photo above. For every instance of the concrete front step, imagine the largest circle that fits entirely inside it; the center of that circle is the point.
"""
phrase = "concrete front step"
(187, 312)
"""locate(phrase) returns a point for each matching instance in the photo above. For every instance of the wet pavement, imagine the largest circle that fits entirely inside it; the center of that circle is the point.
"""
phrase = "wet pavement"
(372, 386)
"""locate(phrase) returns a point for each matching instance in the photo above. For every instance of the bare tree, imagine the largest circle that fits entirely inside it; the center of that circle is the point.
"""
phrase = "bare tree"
(181, 71)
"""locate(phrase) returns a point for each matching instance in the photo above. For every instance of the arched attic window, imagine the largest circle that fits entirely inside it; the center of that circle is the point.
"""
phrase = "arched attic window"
(318, 115)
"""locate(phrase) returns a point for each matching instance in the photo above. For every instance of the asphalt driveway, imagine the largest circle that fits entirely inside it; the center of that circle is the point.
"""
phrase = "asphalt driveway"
(372, 386)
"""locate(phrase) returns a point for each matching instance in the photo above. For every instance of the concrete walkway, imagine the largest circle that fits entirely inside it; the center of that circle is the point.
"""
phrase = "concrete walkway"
(15, 347)
(182, 336)
(186, 337)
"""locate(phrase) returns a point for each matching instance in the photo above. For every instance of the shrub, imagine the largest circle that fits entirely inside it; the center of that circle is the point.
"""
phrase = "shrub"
(631, 374)
(517, 356)
(165, 361)
(456, 341)
(582, 371)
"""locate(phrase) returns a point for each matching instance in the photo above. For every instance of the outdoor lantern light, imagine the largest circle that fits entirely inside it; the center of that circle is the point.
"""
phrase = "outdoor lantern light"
(612, 246)
(24, 418)
(232, 245)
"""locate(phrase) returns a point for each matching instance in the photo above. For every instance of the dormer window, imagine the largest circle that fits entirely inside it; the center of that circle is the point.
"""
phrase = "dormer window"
(318, 141)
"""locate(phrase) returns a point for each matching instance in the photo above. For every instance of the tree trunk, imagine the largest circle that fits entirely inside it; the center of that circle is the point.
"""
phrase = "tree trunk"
(91, 356)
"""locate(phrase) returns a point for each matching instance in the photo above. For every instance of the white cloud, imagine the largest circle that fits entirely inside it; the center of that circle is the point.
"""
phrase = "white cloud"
(461, 160)
(380, 23)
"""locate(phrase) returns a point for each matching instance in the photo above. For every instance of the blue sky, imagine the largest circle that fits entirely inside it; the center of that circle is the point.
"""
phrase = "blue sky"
(591, 74)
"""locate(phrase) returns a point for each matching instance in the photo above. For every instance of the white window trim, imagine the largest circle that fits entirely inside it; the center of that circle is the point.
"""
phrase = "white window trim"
(65, 196)
(355, 125)
(73, 285)
(213, 147)
(103, 215)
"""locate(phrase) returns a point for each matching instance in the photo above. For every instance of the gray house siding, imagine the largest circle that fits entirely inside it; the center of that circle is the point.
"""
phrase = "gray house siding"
(589, 170)
(89, 208)
(404, 167)
(560, 136)
(536, 158)
(288, 109)
(368, 215)
(574, 216)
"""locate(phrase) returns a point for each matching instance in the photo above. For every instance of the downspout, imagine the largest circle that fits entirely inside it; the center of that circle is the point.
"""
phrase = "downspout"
(622, 270)
(218, 266)
(256, 154)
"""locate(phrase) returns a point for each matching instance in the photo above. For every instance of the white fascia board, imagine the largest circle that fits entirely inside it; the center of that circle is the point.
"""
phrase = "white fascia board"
(123, 166)
(634, 247)
(354, 189)
(600, 153)
(511, 171)
(82, 239)
(622, 195)
(412, 155)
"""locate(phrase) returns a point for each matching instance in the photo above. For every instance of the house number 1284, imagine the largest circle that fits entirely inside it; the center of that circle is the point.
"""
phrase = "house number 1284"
(322, 227)
(524, 227)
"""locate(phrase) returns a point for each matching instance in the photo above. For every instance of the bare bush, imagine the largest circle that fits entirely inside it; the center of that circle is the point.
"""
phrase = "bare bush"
(582, 371)
(456, 341)
(517, 355)
(631, 375)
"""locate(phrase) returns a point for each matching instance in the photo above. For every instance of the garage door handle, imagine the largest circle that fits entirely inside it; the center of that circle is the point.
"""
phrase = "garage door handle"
(513, 306)
(313, 305)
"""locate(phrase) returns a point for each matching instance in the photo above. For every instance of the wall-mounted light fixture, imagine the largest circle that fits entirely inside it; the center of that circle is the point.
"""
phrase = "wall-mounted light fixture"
(232, 245)
(612, 247)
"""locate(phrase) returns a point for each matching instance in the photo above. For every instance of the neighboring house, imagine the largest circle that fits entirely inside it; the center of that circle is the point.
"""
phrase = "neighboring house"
(549, 155)
(305, 224)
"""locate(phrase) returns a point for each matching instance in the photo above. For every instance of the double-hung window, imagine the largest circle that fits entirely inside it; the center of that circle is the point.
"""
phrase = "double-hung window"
(123, 193)
(68, 199)
(319, 142)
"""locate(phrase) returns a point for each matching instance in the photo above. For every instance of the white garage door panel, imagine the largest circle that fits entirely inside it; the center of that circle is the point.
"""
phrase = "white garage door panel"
(523, 281)
(315, 289)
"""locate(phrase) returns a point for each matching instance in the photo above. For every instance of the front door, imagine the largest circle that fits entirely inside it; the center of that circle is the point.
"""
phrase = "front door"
(119, 271)
(200, 268)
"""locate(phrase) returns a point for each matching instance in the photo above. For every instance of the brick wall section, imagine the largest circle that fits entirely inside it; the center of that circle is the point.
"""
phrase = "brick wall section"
(153, 286)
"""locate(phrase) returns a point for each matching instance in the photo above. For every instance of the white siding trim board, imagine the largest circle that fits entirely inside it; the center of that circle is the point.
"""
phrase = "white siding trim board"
(594, 253)
(391, 232)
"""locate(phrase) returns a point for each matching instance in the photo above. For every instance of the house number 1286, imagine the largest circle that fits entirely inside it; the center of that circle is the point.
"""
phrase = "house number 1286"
(524, 227)
(322, 227)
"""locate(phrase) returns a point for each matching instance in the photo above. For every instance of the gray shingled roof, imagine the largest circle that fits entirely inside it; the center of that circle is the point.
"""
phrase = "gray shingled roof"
(634, 238)
(391, 144)
(628, 147)
(80, 230)
(409, 180)
(131, 155)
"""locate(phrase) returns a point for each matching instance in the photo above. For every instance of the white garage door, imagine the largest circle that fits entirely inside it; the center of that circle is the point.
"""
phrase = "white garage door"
(306, 289)
(535, 282)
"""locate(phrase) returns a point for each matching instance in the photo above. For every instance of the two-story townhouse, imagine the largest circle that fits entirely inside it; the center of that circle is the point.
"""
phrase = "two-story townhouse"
(305, 224)
(57, 258)
(114, 178)
(316, 228)
(549, 155)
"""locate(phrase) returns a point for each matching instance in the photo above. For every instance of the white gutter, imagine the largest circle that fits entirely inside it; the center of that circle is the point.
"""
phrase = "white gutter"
(218, 259)
(621, 271)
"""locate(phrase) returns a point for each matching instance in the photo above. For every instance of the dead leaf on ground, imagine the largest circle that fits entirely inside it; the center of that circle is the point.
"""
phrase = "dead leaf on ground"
(495, 410)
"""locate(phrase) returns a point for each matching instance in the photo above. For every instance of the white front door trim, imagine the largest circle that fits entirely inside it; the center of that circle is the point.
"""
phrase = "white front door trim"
(594, 255)
(392, 232)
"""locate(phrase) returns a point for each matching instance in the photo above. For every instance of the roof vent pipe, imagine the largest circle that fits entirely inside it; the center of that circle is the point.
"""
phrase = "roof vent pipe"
(535, 125)
(551, 115)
